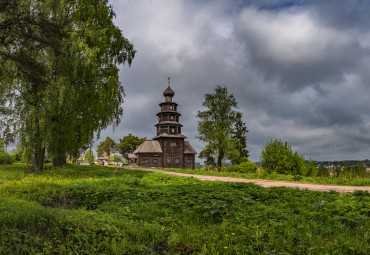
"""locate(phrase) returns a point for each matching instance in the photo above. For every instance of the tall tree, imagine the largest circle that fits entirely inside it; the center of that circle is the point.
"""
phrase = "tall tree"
(67, 85)
(106, 147)
(240, 139)
(129, 143)
(216, 126)
(28, 34)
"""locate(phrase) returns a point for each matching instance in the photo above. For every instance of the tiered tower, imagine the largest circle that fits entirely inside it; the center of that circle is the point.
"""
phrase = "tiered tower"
(168, 117)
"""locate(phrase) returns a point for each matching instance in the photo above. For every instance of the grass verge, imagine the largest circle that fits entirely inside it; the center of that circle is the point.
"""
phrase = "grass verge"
(279, 177)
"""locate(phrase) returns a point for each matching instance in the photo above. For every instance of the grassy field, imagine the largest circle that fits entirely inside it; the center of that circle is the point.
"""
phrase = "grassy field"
(100, 210)
(280, 177)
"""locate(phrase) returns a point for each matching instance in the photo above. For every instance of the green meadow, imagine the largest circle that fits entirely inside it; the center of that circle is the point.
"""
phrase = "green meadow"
(101, 210)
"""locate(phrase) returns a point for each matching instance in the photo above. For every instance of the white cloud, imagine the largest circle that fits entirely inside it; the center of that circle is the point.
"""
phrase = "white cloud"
(288, 37)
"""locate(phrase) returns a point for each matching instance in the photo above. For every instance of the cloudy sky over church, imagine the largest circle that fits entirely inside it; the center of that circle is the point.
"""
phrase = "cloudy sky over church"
(300, 70)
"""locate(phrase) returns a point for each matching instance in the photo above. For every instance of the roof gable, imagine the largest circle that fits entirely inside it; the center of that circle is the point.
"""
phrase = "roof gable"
(188, 149)
(152, 146)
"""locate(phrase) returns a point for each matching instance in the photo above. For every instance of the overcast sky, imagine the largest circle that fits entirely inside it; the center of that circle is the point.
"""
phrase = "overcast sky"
(298, 69)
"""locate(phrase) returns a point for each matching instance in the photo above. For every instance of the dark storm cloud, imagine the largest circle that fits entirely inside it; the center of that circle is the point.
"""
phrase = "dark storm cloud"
(298, 69)
(343, 14)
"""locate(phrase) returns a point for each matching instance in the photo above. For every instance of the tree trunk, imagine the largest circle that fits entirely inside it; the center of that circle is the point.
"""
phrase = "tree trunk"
(219, 161)
(37, 151)
(42, 158)
(59, 160)
(90, 154)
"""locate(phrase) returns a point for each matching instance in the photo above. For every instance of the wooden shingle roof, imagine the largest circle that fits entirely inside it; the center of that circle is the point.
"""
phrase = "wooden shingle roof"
(149, 146)
(171, 136)
(131, 155)
(188, 148)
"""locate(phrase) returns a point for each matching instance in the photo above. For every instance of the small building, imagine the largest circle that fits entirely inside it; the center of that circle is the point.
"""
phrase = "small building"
(103, 159)
(168, 149)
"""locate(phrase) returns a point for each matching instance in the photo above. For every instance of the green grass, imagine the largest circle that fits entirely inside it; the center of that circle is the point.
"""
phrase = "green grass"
(279, 177)
(101, 210)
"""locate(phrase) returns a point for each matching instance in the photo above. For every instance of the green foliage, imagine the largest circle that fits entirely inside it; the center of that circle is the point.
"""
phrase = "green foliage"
(220, 127)
(115, 158)
(245, 166)
(129, 143)
(206, 154)
(5, 158)
(87, 156)
(310, 169)
(17, 154)
(8, 137)
(207, 170)
(240, 140)
(106, 147)
(100, 210)
(278, 157)
(323, 171)
(60, 69)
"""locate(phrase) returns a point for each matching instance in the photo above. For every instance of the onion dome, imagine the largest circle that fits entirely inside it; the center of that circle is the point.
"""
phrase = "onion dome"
(168, 92)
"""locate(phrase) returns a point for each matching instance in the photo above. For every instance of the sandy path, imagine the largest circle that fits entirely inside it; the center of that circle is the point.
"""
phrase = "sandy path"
(264, 183)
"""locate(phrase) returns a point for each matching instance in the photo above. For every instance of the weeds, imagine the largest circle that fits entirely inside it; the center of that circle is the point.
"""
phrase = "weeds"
(100, 210)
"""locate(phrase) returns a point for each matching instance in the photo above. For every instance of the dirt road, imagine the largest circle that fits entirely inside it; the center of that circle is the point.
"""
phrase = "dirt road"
(264, 183)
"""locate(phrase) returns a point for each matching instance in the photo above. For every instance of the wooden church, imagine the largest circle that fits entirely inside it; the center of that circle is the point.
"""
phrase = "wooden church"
(168, 149)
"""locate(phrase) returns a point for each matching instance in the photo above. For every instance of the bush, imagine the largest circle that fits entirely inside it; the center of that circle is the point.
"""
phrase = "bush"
(279, 157)
(244, 167)
(5, 158)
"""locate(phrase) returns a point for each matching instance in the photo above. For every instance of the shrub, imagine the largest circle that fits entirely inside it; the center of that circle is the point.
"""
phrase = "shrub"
(244, 167)
(279, 157)
(5, 158)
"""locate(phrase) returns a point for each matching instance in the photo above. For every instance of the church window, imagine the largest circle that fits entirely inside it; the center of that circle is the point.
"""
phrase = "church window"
(168, 160)
(171, 117)
(177, 160)
(146, 161)
(188, 160)
(155, 161)
(171, 107)
(172, 130)
(173, 144)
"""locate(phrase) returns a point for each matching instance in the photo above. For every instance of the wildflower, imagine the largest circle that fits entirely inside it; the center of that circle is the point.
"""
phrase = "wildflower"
(225, 219)
(225, 247)
(226, 235)
(162, 228)
(233, 234)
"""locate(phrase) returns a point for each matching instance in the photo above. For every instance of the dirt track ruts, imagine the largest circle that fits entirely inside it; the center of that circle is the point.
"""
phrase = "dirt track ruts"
(263, 183)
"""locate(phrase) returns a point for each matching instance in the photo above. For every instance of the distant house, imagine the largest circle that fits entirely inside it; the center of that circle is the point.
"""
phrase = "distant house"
(80, 160)
(132, 159)
(168, 149)
(103, 159)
